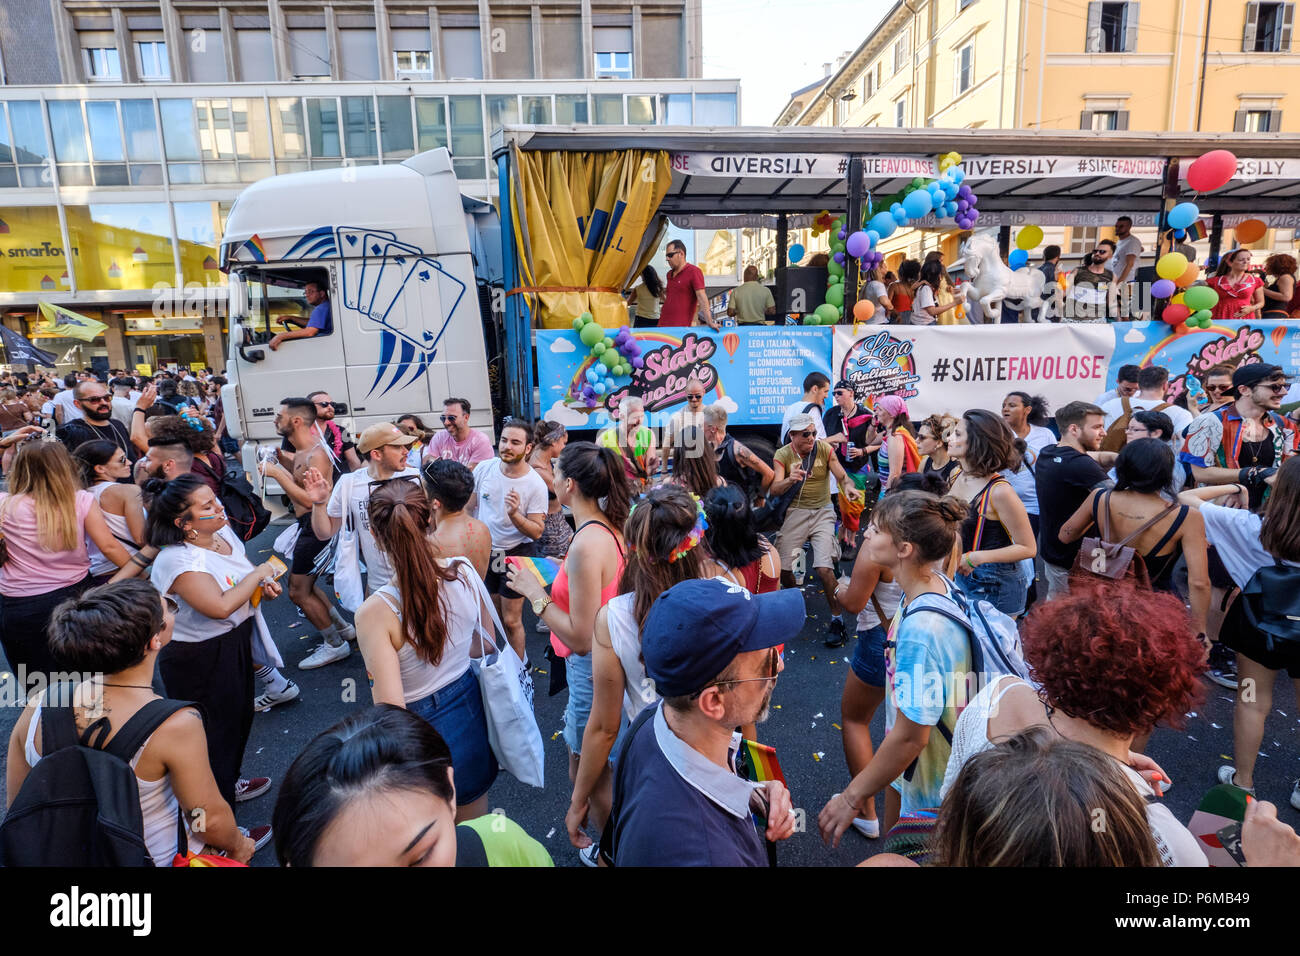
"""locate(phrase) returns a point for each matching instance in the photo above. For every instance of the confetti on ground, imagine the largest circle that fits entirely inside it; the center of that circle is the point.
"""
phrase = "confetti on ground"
(295, 624)
(818, 756)
(551, 834)
(1216, 726)
(554, 735)
(1192, 714)
(1282, 712)
(834, 662)
(812, 657)
(1262, 754)
(1276, 744)
(814, 723)
(539, 670)
(1224, 757)
(776, 706)
(286, 731)
(259, 750)
(1228, 699)
(837, 726)
(818, 714)
(1190, 737)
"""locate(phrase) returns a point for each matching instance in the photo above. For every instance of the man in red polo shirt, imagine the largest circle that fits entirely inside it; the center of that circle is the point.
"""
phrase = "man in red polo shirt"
(685, 296)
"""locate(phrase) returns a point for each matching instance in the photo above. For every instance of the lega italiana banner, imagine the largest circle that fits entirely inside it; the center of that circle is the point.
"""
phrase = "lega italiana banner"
(948, 369)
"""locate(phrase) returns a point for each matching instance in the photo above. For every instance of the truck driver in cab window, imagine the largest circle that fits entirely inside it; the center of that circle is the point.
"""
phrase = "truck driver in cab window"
(320, 322)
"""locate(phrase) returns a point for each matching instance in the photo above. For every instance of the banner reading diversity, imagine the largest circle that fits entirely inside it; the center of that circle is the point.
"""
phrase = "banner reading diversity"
(951, 368)
(754, 373)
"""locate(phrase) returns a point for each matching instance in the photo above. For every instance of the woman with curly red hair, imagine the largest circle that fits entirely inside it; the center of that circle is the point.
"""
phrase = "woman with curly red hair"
(1280, 289)
(1105, 681)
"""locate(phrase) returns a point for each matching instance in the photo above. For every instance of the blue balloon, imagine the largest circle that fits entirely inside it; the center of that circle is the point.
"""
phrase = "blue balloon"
(1180, 234)
(795, 253)
(592, 377)
(949, 209)
(1018, 258)
(949, 190)
(599, 388)
(1183, 215)
(601, 369)
(918, 204)
(883, 225)
(873, 237)
(955, 174)
(900, 217)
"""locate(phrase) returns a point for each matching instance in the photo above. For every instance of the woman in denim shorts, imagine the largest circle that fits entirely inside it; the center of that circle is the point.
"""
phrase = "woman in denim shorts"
(996, 535)
(417, 636)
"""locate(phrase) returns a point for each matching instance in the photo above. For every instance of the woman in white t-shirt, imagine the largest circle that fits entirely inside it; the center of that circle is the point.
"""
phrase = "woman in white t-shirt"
(418, 632)
(201, 563)
(103, 466)
(645, 301)
(1247, 542)
(925, 304)
(878, 295)
(1080, 649)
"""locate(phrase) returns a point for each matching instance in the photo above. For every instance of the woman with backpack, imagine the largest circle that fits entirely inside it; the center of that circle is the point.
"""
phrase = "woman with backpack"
(418, 633)
(1138, 517)
(910, 532)
(117, 631)
(1266, 545)
(46, 520)
(201, 563)
(997, 534)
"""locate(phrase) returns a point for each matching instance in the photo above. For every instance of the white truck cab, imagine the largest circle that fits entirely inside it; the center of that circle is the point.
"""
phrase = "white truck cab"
(395, 246)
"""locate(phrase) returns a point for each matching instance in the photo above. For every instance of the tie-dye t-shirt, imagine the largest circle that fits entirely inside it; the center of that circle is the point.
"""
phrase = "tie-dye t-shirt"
(926, 662)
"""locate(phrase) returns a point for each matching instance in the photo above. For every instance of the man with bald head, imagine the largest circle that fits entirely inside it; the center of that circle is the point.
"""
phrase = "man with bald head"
(94, 403)
(751, 303)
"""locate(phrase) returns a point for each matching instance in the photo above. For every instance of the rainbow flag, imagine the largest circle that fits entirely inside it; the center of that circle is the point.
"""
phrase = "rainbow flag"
(1197, 230)
(761, 763)
(544, 569)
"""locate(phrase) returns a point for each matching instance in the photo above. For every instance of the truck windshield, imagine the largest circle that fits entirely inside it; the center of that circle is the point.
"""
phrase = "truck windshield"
(269, 296)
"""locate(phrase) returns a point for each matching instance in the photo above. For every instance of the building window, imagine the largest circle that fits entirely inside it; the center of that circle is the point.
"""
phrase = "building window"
(1103, 119)
(410, 64)
(615, 65)
(1112, 27)
(963, 4)
(1257, 121)
(900, 112)
(900, 53)
(965, 68)
(1083, 239)
(152, 57)
(869, 83)
(1268, 28)
(102, 63)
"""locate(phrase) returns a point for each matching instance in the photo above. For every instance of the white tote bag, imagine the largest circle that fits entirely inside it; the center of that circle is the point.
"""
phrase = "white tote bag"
(347, 566)
(507, 689)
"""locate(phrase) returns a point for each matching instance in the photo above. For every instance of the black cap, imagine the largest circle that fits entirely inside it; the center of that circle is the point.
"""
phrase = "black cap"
(845, 384)
(1254, 373)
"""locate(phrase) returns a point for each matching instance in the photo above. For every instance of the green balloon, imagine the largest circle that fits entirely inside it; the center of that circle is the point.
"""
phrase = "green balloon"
(586, 317)
(812, 318)
(834, 280)
(609, 344)
(591, 334)
(578, 324)
(827, 313)
(1200, 298)
(835, 295)
(837, 246)
(1201, 317)
(598, 348)
(834, 268)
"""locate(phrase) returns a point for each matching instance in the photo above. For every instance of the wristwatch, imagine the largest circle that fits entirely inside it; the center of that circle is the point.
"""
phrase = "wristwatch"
(541, 604)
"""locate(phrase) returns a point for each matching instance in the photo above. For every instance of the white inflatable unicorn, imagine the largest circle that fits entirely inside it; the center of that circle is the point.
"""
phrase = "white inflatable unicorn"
(989, 280)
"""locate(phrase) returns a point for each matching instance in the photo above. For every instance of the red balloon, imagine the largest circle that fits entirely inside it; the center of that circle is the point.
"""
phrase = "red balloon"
(1212, 170)
(1176, 314)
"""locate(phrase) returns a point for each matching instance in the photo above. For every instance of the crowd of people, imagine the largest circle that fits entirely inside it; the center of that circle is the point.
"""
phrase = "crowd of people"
(990, 567)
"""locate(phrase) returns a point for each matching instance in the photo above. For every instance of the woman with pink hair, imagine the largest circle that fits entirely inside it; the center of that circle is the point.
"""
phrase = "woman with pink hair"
(899, 454)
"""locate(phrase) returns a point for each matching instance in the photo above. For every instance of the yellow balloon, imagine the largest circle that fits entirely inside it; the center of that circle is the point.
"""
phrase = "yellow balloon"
(956, 158)
(1171, 265)
(1029, 238)
(1176, 299)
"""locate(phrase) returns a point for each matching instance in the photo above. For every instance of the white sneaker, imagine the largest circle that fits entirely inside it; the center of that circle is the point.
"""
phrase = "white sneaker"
(590, 855)
(326, 653)
(267, 699)
(347, 632)
(868, 828)
(1228, 775)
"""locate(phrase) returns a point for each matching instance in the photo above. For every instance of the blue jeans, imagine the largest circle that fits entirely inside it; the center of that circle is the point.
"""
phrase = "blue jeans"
(456, 712)
(1002, 585)
(577, 670)
(868, 660)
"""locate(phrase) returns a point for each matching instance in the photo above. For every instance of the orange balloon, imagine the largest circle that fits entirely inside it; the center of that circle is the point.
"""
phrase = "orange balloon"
(1252, 230)
(863, 310)
(1187, 278)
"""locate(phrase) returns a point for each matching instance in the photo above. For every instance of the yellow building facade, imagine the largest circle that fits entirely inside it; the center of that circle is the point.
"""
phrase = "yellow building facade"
(1152, 66)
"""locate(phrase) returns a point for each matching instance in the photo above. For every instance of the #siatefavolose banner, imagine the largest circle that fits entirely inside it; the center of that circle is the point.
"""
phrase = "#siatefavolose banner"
(948, 369)
(753, 372)
(1190, 355)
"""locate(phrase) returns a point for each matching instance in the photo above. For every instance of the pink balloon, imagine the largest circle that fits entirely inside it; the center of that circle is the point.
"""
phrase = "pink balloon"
(1212, 170)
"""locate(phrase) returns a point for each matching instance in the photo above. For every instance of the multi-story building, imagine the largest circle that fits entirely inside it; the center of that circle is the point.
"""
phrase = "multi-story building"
(128, 129)
(1155, 66)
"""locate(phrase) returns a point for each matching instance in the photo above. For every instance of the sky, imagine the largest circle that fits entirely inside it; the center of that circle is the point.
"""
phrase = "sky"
(775, 47)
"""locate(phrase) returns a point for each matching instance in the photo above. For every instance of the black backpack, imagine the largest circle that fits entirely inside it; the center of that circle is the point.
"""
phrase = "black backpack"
(246, 514)
(80, 805)
(1271, 602)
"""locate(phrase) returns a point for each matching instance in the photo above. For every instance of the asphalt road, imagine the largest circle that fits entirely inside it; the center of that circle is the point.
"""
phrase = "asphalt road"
(802, 727)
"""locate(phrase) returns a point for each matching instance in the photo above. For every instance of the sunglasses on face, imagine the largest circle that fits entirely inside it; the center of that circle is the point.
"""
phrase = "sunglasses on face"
(1277, 388)
(807, 434)
(1218, 388)
(97, 398)
(695, 398)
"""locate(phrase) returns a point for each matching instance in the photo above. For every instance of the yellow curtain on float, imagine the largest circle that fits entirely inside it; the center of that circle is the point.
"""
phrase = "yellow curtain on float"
(581, 221)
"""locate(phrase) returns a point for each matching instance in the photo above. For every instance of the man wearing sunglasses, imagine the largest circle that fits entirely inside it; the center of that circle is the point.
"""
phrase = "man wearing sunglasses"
(711, 652)
(1217, 385)
(692, 416)
(1245, 441)
(684, 298)
(459, 442)
(95, 404)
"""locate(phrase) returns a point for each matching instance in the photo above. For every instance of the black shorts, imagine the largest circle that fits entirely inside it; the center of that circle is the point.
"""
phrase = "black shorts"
(307, 548)
(1237, 634)
(496, 576)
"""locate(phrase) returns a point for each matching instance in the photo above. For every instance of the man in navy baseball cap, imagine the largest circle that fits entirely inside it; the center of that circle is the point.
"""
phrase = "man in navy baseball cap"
(710, 648)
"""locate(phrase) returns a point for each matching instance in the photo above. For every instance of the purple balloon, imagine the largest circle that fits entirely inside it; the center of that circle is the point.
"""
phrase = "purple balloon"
(964, 192)
(626, 330)
(857, 244)
(839, 257)
(590, 402)
(843, 234)
(974, 200)
(638, 362)
(1163, 288)
(962, 205)
(973, 217)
